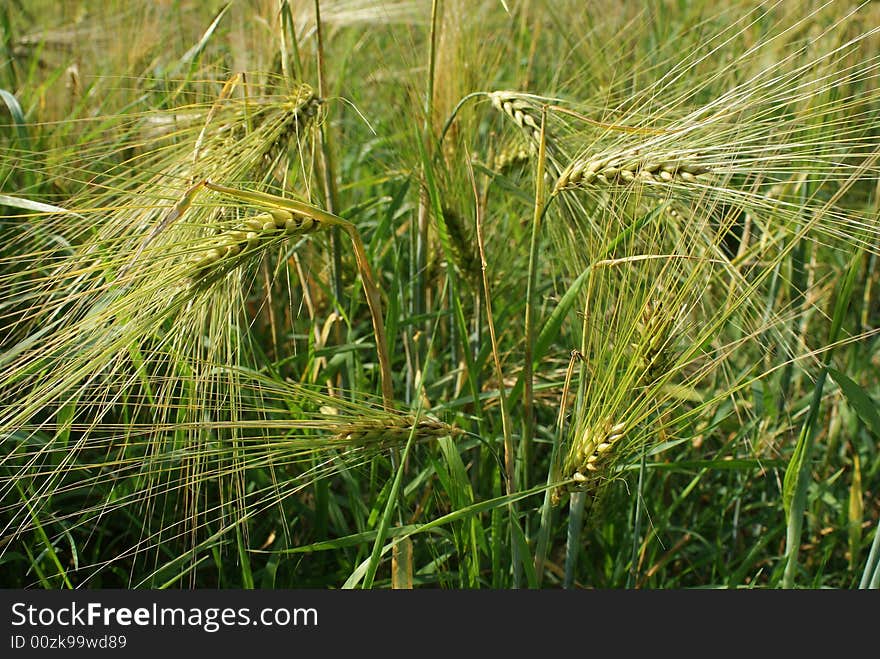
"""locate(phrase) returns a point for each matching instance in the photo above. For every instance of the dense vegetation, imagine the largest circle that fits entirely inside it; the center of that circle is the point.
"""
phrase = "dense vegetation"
(461, 294)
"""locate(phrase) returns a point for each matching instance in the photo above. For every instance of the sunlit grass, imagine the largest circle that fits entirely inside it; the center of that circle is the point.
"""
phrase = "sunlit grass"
(580, 334)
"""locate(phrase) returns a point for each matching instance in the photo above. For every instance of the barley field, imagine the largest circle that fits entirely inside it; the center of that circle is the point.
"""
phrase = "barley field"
(461, 294)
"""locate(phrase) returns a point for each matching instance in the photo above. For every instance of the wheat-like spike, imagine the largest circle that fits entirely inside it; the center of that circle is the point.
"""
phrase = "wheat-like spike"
(654, 354)
(392, 430)
(300, 110)
(595, 448)
(592, 452)
(527, 115)
(518, 109)
(462, 244)
(607, 170)
(516, 154)
(256, 232)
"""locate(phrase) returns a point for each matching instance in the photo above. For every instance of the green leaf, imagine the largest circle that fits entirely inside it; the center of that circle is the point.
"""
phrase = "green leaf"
(15, 110)
(861, 402)
(191, 56)
(247, 577)
(789, 482)
(522, 544)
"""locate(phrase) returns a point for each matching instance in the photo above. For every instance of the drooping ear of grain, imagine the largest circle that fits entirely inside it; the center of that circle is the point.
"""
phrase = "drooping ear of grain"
(653, 346)
(525, 112)
(592, 452)
(298, 112)
(232, 247)
(622, 170)
(392, 431)
(522, 112)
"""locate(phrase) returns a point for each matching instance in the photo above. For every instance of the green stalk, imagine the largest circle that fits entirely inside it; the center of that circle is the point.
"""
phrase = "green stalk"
(288, 31)
(528, 368)
(797, 475)
(576, 505)
(632, 577)
(419, 301)
(509, 465)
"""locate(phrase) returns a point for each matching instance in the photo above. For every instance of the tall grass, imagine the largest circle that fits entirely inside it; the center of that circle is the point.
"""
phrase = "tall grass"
(602, 262)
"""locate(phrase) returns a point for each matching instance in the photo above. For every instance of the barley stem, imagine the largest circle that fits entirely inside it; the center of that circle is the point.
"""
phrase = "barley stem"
(633, 575)
(509, 464)
(419, 301)
(331, 194)
(577, 504)
(528, 394)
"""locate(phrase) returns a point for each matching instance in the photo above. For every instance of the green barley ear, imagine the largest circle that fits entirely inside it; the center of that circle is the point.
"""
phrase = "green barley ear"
(630, 168)
(300, 110)
(654, 348)
(234, 247)
(284, 210)
(525, 111)
(592, 452)
(515, 154)
(392, 431)
(462, 244)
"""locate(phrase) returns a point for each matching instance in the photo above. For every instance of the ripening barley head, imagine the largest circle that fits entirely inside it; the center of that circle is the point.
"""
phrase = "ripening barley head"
(146, 316)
